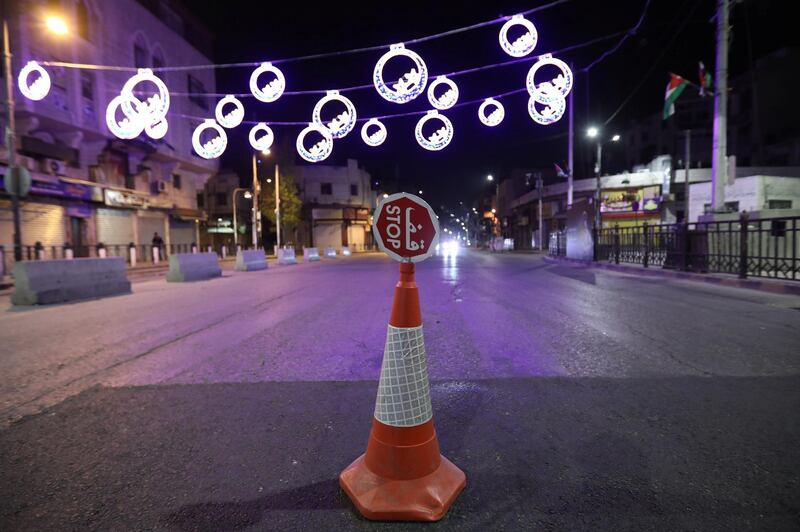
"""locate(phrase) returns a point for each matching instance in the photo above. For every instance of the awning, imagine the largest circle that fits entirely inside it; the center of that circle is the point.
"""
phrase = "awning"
(189, 214)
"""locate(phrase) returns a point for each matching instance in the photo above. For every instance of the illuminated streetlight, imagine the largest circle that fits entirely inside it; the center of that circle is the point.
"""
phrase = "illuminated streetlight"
(592, 132)
(56, 25)
(494, 211)
(420, 193)
(386, 195)
(248, 195)
(615, 138)
(266, 152)
(490, 177)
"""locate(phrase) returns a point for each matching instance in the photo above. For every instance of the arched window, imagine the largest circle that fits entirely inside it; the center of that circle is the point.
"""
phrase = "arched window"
(141, 59)
(158, 57)
(82, 19)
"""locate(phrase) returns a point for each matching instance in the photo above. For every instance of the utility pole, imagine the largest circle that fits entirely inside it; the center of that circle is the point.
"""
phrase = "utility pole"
(571, 150)
(719, 162)
(598, 190)
(277, 206)
(686, 164)
(540, 187)
(255, 202)
(11, 145)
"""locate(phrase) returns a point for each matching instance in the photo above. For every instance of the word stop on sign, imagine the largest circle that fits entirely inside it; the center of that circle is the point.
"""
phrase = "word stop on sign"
(406, 228)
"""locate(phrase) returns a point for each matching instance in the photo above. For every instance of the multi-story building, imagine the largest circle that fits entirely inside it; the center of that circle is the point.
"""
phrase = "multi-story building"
(338, 203)
(88, 186)
(217, 200)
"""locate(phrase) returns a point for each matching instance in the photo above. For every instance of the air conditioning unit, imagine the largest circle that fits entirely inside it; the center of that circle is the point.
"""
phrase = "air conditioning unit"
(53, 167)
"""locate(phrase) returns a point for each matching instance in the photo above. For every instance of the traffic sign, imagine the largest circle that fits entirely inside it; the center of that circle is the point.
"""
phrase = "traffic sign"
(406, 228)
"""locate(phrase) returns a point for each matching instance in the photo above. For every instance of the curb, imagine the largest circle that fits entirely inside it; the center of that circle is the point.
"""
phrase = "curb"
(764, 285)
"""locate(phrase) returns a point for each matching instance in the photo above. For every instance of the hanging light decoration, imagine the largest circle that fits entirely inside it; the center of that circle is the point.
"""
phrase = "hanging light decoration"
(321, 149)
(272, 90)
(525, 43)
(439, 138)
(233, 117)
(561, 83)
(410, 85)
(377, 137)
(131, 125)
(41, 85)
(553, 106)
(344, 122)
(446, 100)
(495, 116)
(264, 142)
(213, 148)
(154, 108)
(158, 130)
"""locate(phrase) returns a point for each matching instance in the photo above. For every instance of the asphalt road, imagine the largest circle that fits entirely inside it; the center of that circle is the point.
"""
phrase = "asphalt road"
(572, 398)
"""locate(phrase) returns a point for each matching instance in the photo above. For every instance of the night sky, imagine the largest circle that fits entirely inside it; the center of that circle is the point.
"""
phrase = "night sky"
(289, 29)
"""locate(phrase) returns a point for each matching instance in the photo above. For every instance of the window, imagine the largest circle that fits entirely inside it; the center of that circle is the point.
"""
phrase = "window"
(140, 55)
(326, 189)
(176, 181)
(779, 204)
(87, 96)
(198, 91)
(158, 59)
(354, 189)
(732, 206)
(201, 200)
(130, 182)
(82, 19)
(222, 199)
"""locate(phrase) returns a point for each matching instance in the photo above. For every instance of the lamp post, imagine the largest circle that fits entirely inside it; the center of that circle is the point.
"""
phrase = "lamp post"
(54, 25)
(593, 133)
(256, 192)
(247, 195)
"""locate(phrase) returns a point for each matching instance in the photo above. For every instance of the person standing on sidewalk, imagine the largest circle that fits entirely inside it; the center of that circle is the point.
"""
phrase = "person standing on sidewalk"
(158, 242)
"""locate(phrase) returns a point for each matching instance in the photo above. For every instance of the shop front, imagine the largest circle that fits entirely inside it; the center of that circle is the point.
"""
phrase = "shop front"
(630, 206)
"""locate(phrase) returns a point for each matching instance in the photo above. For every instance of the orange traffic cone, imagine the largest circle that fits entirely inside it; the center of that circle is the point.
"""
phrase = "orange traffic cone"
(402, 476)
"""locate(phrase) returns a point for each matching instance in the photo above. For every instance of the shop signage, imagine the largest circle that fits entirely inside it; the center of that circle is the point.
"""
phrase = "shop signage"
(118, 198)
(61, 189)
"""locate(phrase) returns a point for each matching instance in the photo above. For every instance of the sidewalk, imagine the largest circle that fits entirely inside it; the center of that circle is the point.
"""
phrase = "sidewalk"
(774, 286)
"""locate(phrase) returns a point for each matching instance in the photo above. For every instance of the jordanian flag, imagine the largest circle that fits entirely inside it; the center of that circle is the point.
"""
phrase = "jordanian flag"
(674, 89)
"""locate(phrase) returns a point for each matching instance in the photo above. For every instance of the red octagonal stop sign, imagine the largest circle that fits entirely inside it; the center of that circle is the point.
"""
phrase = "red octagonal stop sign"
(406, 228)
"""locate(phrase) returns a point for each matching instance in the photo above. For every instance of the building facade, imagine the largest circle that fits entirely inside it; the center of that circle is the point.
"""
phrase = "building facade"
(338, 204)
(89, 187)
(217, 199)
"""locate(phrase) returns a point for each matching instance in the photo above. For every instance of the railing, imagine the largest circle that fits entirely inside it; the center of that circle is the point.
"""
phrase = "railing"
(768, 247)
(557, 246)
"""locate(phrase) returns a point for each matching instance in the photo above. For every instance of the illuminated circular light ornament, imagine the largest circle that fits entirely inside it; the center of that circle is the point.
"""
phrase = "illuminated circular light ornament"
(439, 138)
(131, 125)
(495, 116)
(344, 122)
(553, 106)
(272, 90)
(264, 142)
(377, 137)
(154, 108)
(410, 85)
(41, 85)
(319, 151)
(561, 83)
(233, 117)
(213, 148)
(158, 130)
(448, 99)
(522, 45)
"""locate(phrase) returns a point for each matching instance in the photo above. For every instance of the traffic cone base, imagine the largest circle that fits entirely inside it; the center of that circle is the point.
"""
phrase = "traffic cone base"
(419, 499)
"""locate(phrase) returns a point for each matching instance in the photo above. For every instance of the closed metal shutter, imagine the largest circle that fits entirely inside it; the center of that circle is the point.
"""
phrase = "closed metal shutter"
(149, 224)
(114, 227)
(181, 232)
(327, 235)
(40, 223)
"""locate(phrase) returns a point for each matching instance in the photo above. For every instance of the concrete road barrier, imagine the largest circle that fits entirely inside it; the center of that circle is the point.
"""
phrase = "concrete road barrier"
(249, 261)
(330, 252)
(56, 281)
(310, 254)
(346, 250)
(193, 267)
(286, 256)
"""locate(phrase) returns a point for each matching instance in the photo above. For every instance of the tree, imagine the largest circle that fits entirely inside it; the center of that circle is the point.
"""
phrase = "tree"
(290, 205)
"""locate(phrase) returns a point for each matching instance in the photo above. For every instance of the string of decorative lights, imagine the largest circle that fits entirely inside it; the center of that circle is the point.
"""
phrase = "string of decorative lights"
(546, 105)
(250, 64)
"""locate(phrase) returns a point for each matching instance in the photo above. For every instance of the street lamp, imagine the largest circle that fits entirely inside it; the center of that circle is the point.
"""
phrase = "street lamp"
(247, 195)
(256, 191)
(490, 177)
(55, 25)
(593, 133)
